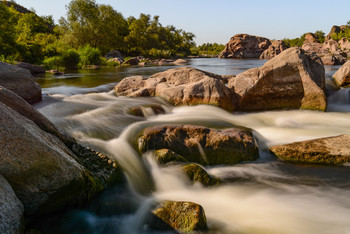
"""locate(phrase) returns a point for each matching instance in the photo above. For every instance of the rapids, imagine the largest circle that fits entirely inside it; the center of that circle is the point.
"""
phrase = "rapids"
(264, 196)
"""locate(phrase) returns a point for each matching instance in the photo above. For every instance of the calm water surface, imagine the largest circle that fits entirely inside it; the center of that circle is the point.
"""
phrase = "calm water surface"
(264, 196)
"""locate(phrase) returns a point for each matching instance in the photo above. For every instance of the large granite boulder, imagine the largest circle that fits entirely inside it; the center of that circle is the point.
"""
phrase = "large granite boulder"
(202, 145)
(18, 104)
(294, 79)
(184, 217)
(11, 209)
(20, 81)
(335, 29)
(329, 150)
(34, 69)
(180, 86)
(42, 171)
(342, 76)
(331, 45)
(276, 47)
(245, 46)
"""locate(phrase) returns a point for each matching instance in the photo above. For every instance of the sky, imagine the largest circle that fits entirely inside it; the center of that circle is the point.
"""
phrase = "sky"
(217, 21)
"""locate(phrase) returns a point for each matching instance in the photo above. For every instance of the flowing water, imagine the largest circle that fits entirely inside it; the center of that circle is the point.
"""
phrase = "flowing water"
(264, 196)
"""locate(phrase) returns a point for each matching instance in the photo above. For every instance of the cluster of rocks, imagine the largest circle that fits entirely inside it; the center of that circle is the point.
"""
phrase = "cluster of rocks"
(249, 46)
(295, 79)
(44, 173)
(116, 56)
(331, 52)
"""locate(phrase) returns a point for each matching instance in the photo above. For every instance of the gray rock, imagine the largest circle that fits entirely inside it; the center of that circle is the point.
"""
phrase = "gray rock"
(11, 210)
(20, 81)
(40, 168)
(34, 69)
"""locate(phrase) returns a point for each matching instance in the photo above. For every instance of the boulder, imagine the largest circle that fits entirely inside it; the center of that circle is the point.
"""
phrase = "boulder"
(42, 171)
(180, 86)
(342, 76)
(20, 81)
(146, 110)
(276, 47)
(132, 61)
(245, 46)
(178, 215)
(202, 145)
(294, 79)
(11, 209)
(198, 174)
(344, 44)
(18, 104)
(333, 59)
(56, 72)
(166, 156)
(34, 69)
(311, 38)
(180, 61)
(315, 47)
(331, 45)
(329, 150)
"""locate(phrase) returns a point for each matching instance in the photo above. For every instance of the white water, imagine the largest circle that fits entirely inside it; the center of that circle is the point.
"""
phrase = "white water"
(264, 196)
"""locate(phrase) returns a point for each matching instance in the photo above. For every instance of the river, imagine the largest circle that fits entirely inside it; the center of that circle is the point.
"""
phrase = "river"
(264, 196)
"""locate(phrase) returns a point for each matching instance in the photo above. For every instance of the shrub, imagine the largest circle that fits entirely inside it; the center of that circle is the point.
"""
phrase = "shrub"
(70, 59)
(53, 62)
(89, 56)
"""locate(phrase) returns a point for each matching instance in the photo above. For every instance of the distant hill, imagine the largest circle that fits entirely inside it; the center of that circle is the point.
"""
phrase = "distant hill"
(17, 7)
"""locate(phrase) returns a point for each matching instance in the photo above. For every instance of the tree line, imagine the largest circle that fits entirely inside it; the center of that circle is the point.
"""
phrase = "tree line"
(88, 31)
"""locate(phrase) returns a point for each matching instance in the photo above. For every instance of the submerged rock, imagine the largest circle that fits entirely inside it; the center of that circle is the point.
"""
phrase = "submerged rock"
(197, 174)
(42, 171)
(140, 110)
(245, 46)
(20, 81)
(165, 156)
(11, 209)
(178, 215)
(342, 76)
(203, 145)
(180, 86)
(294, 79)
(329, 150)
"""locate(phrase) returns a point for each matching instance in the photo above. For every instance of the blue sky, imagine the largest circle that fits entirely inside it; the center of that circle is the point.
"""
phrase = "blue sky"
(218, 21)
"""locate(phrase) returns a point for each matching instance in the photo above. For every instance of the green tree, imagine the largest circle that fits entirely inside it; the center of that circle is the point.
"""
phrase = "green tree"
(320, 35)
(8, 32)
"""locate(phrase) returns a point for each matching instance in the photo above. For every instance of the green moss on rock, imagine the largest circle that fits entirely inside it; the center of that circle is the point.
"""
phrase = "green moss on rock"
(198, 174)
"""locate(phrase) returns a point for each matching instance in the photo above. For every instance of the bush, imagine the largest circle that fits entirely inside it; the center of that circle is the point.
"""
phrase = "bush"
(70, 59)
(53, 62)
(89, 56)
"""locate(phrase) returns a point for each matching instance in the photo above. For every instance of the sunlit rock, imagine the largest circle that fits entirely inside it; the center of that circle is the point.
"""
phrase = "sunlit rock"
(342, 76)
(180, 86)
(245, 46)
(329, 150)
(205, 146)
(294, 79)
(178, 215)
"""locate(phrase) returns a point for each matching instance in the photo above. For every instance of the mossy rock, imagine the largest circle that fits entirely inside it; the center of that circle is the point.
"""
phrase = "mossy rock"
(139, 110)
(178, 215)
(198, 174)
(165, 156)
